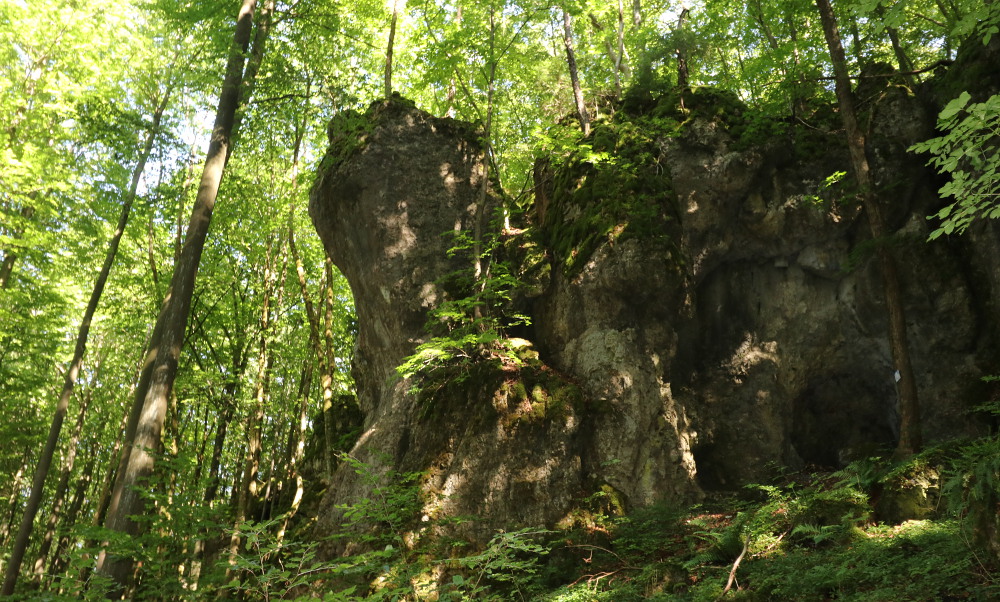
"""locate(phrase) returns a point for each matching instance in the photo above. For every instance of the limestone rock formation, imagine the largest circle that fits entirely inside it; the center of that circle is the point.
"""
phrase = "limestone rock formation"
(711, 313)
(397, 186)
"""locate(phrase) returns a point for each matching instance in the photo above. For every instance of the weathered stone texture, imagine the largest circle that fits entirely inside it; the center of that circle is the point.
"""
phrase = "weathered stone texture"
(749, 334)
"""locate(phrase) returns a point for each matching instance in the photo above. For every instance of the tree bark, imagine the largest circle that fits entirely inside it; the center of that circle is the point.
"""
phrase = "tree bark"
(329, 350)
(621, 65)
(326, 367)
(581, 108)
(452, 87)
(254, 62)
(58, 564)
(248, 489)
(173, 316)
(10, 256)
(388, 50)
(61, 489)
(45, 460)
(294, 466)
(219, 443)
(909, 409)
(683, 74)
(15, 493)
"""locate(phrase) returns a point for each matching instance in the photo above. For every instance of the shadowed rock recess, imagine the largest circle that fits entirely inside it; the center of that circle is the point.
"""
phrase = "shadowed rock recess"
(712, 313)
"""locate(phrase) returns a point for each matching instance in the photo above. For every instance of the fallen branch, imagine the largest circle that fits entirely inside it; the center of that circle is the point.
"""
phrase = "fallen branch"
(596, 577)
(732, 573)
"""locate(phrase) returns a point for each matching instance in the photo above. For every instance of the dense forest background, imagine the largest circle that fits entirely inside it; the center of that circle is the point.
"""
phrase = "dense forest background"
(136, 343)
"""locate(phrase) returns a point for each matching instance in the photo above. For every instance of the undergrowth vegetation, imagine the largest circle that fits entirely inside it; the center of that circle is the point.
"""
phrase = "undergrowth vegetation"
(877, 530)
(805, 536)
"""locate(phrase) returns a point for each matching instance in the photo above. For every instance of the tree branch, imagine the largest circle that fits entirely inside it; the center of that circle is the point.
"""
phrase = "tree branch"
(941, 63)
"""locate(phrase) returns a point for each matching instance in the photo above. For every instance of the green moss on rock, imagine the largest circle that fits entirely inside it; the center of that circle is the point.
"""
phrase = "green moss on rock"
(611, 190)
(347, 132)
(515, 391)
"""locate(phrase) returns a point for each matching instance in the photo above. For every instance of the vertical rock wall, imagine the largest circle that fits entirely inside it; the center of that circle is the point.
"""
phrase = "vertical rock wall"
(492, 441)
(711, 319)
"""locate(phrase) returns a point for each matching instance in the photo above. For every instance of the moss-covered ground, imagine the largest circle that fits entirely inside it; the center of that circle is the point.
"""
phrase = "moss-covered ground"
(809, 537)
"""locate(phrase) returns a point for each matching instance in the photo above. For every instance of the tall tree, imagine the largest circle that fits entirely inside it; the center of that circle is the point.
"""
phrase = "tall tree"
(248, 490)
(45, 460)
(388, 51)
(127, 502)
(909, 409)
(581, 107)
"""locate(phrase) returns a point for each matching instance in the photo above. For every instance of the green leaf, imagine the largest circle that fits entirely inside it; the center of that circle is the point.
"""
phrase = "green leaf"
(956, 105)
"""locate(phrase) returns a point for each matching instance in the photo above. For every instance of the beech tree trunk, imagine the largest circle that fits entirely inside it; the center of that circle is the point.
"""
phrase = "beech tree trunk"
(219, 442)
(621, 65)
(248, 489)
(581, 108)
(294, 465)
(58, 563)
(909, 409)
(683, 74)
(388, 50)
(61, 489)
(10, 256)
(326, 366)
(69, 382)
(172, 320)
(452, 88)
(7, 521)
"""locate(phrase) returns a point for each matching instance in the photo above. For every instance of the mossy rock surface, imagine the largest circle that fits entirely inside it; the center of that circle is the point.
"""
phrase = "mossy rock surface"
(610, 191)
(521, 391)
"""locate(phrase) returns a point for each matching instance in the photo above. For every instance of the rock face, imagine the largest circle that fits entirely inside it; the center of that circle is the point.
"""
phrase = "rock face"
(501, 444)
(712, 312)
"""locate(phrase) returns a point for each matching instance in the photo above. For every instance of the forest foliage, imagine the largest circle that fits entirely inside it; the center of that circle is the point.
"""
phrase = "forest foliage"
(265, 363)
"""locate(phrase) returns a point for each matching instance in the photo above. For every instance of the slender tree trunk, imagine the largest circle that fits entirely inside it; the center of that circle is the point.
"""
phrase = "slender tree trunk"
(905, 65)
(239, 360)
(294, 466)
(45, 460)
(203, 434)
(621, 65)
(388, 50)
(799, 94)
(758, 16)
(15, 494)
(104, 499)
(581, 108)
(10, 256)
(58, 564)
(62, 488)
(856, 45)
(452, 87)
(330, 351)
(173, 317)
(316, 340)
(683, 74)
(212, 488)
(189, 179)
(772, 41)
(479, 271)
(248, 490)
(249, 81)
(909, 429)
(269, 481)
(106, 486)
